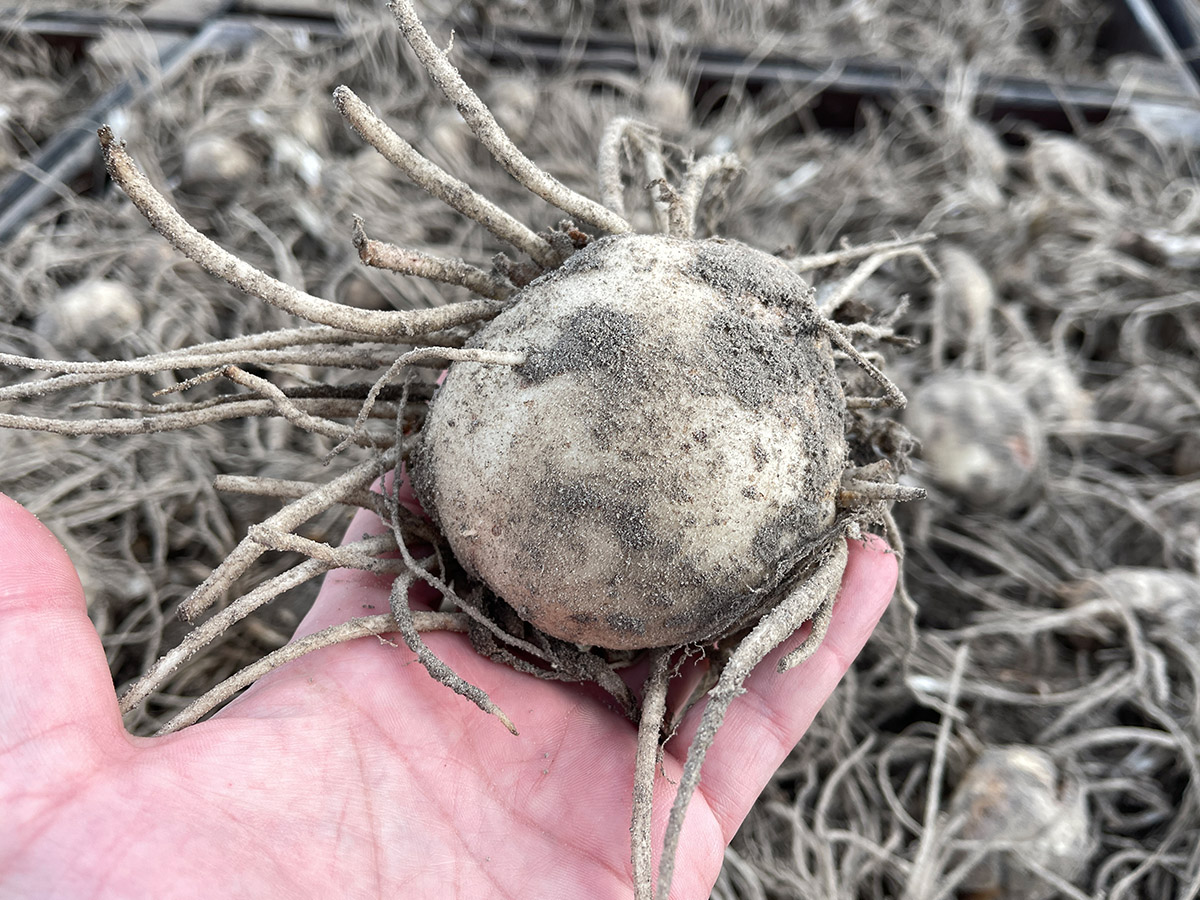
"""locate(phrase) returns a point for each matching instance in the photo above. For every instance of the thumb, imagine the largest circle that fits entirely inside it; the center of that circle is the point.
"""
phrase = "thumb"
(53, 671)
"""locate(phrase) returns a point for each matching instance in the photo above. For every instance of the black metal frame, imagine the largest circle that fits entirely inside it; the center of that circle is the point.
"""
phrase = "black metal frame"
(1169, 29)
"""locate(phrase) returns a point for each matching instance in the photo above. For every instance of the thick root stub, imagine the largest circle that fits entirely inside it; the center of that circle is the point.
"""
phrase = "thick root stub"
(697, 470)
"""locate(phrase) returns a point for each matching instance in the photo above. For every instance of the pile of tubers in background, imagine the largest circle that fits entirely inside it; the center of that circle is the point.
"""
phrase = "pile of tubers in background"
(1073, 594)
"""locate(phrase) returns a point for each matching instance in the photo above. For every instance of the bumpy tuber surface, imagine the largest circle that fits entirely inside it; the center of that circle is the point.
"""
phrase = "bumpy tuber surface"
(698, 471)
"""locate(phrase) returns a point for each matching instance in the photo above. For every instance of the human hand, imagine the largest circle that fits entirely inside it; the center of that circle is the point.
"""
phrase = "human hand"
(350, 772)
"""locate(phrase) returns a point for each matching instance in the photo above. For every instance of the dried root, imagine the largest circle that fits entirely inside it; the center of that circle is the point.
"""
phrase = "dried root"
(650, 734)
(363, 626)
(811, 599)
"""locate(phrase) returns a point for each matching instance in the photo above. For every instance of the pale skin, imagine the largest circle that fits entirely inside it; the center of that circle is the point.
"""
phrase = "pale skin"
(350, 772)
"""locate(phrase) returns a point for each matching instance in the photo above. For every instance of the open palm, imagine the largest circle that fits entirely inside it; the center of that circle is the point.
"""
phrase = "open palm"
(350, 772)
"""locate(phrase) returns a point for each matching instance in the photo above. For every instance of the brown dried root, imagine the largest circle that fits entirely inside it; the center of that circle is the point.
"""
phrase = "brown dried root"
(489, 133)
(498, 633)
(438, 182)
(294, 346)
(406, 624)
(170, 224)
(431, 268)
(674, 212)
(287, 519)
(205, 633)
(362, 555)
(626, 137)
(650, 731)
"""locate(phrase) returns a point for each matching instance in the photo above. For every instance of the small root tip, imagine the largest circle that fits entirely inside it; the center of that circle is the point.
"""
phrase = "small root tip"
(507, 722)
(105, 133)
(801, 654)
(125, 703)
(344, 100)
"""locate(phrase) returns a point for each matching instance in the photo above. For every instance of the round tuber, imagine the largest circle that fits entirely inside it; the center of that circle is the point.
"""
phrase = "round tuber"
(668, 453)
(1016, 798)
(979, 439)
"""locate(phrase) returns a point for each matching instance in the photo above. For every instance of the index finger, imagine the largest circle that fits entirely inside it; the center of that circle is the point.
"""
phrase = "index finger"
(765, 723)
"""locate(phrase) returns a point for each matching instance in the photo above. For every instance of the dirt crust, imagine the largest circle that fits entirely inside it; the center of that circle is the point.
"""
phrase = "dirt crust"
(675, 436)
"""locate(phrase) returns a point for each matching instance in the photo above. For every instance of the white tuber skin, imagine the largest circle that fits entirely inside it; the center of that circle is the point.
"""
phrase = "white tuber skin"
(963, 301)
(698, 471)
(217, 166)
(979, 439)
(93, 314)
(1168, 600)
(1050, 386)
(1017, 797)
(667, 103)
(1058, 161)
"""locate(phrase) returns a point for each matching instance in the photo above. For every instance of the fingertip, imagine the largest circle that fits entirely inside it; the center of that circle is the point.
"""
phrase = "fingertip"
(872, 569)
(776, 709)
(871, 541)
(868, 584)
(871, 545)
